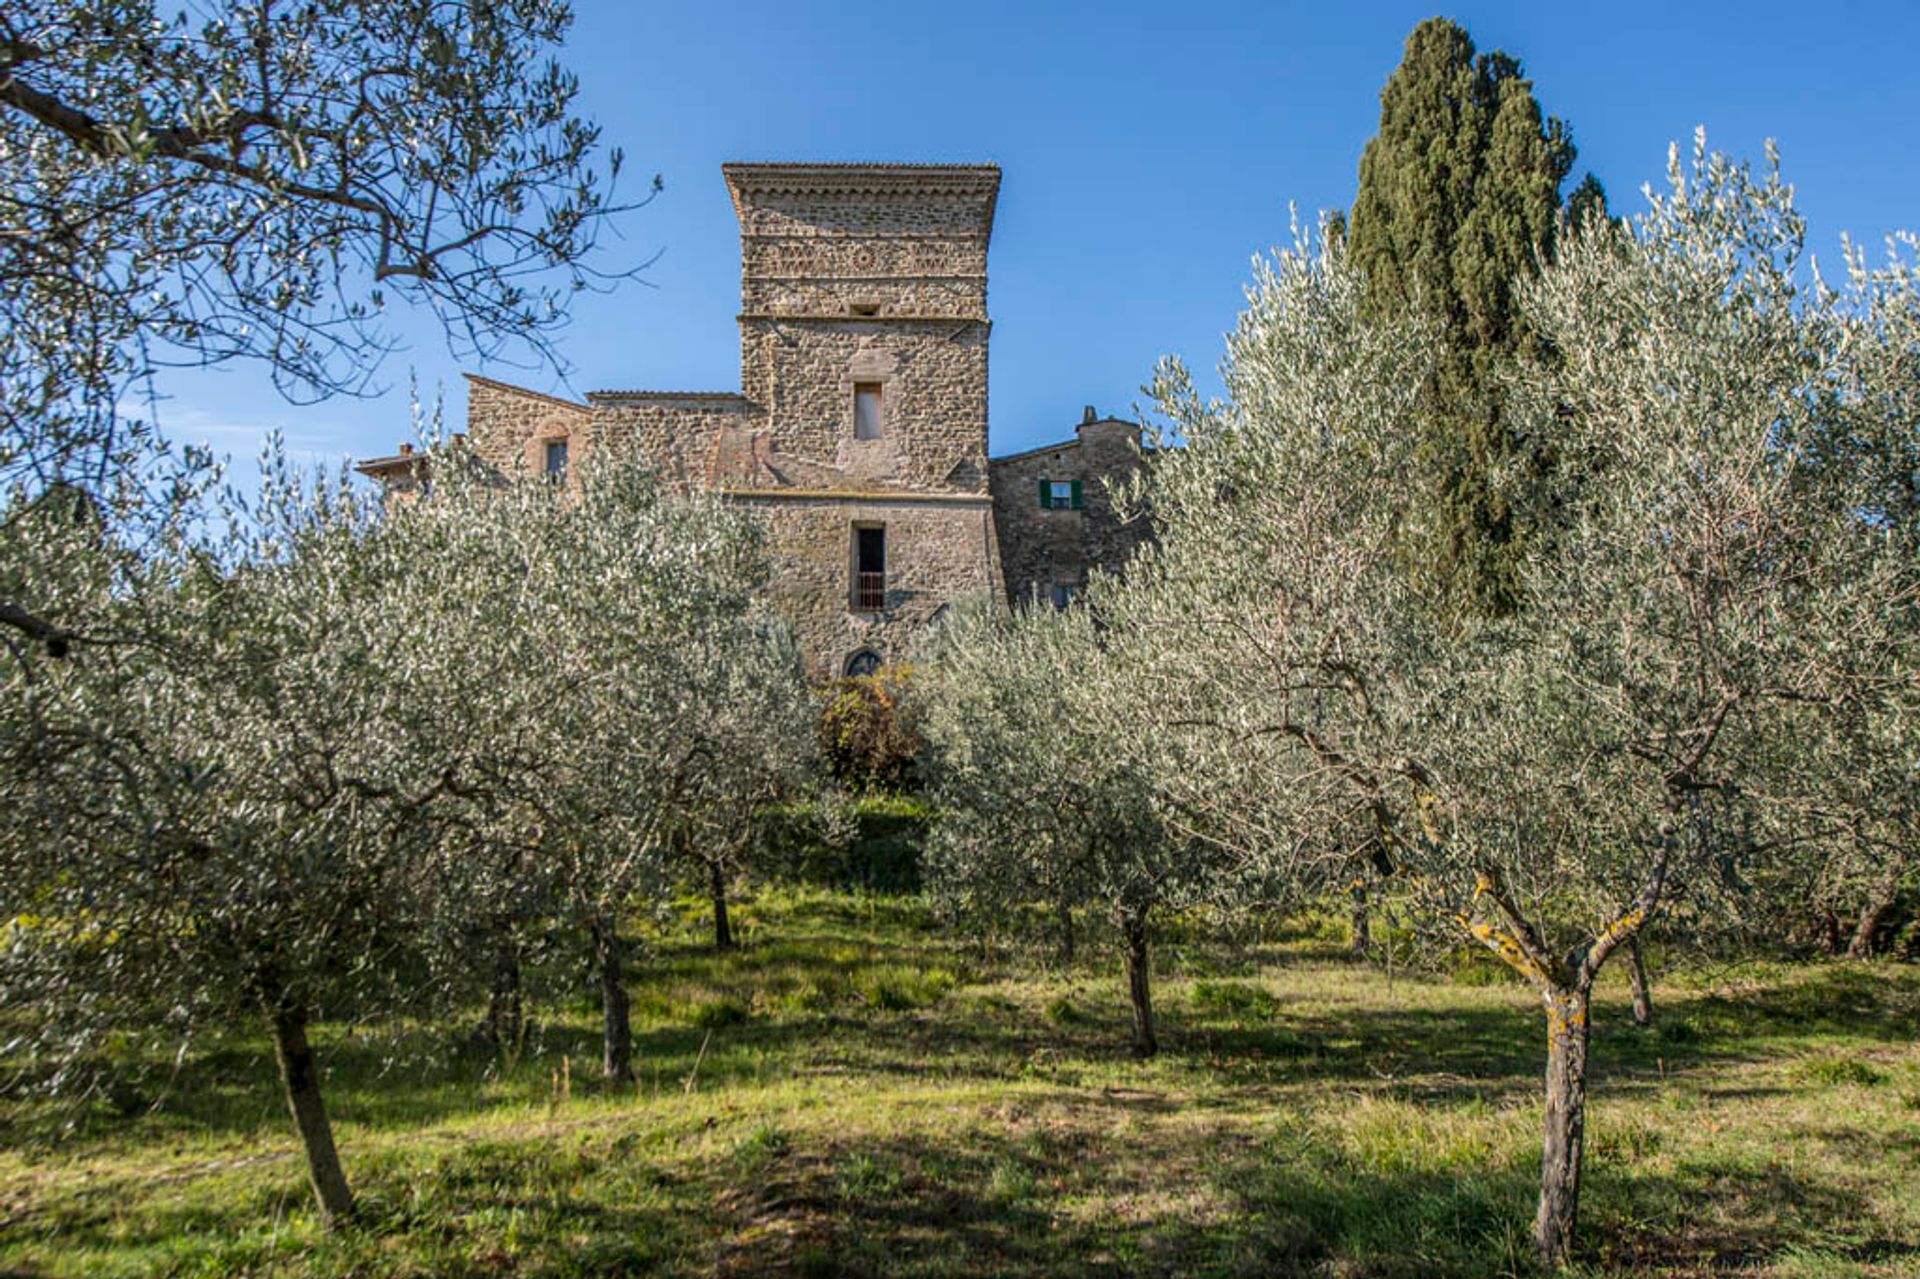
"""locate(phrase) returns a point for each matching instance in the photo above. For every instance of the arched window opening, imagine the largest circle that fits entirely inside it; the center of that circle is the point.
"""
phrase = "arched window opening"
(864, 662)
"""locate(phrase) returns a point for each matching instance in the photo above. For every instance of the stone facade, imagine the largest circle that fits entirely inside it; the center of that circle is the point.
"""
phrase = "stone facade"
(1055, 511)
(859, 433)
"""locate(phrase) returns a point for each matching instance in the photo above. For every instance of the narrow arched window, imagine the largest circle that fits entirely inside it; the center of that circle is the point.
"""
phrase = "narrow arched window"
(864, 662)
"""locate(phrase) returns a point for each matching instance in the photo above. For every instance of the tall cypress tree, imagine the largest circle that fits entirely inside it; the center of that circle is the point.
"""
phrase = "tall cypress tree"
(1459, 198)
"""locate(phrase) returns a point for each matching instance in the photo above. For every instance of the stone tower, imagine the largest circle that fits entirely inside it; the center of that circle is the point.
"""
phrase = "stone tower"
(859, 433)
(863, 324)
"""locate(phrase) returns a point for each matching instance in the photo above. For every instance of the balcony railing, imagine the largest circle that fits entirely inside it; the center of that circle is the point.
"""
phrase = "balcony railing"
(869, 592)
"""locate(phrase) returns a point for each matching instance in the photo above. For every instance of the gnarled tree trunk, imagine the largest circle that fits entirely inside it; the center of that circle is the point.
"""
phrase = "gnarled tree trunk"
(1362, 938)
(1637, 978)
(616, 1046)
(1860, 945)
(1140, 984)
(506, 1018)
(1566, 1124)
(300, 1080)
(717, 889)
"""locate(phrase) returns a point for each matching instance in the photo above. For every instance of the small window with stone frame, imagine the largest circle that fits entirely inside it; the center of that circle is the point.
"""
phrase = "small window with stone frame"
(555, 461)
(869, 594)
(868, 419)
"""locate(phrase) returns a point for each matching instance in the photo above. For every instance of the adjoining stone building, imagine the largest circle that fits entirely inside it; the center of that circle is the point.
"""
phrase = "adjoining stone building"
(859, 432)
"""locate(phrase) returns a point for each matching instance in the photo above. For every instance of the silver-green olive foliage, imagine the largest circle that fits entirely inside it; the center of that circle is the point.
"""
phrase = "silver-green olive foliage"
(604, 660)
(1726, 576)
(1043, 795)
(751, 750)
(301, 759)
(217, 180)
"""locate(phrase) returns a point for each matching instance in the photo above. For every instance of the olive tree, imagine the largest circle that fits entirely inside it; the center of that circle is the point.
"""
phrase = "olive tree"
(1715, 592)
(749, 749)
(1038, 792)
(219, 180)
(208, 817)
(261, 794)
(1549, 782)
(1285, 653)
(631, 690)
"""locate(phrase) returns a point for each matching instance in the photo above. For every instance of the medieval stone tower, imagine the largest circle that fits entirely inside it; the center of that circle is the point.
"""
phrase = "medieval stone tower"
(859, 432)
(863, 337)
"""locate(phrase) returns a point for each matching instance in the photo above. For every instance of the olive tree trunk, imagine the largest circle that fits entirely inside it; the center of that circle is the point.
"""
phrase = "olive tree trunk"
(1860, 945)
(616, 1046)
(717, 889)
(1362, 939)
(1568, 1031)
(300, 1081)
(1140, 984)
(506, 1017)
(1637, 978)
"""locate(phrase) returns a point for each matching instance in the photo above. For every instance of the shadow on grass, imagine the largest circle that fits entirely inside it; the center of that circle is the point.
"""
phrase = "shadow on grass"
(1432, 1042)
(1090, 1201)
(524, 1208)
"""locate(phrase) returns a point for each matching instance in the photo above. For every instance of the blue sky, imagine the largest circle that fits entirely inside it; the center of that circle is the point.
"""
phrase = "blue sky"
(1148, 151)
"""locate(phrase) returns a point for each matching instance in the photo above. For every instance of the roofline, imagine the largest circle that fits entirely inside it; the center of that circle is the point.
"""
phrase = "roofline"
(731, 397)
(959, 179)
(394, 462)
(1067, 444)
(858, 170)
(1044, 448)
(856, 495)
(498, 385)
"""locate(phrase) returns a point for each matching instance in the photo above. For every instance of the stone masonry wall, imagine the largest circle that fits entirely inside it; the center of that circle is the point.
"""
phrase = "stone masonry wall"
(855, 274)
(504, 422)
(933, 379)
(937, 552)
(1044, 547)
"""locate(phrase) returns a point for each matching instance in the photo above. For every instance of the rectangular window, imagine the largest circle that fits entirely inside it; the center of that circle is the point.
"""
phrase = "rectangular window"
(556, 461)
(869, 570)
(1060, 495)
(1063, 593)
(866, 410)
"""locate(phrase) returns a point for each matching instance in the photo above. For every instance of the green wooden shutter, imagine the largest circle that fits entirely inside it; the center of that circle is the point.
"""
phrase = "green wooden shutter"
(1076, 495)
(1046, 493)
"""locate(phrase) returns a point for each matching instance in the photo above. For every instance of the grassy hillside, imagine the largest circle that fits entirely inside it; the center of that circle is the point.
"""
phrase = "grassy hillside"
(854, 1093)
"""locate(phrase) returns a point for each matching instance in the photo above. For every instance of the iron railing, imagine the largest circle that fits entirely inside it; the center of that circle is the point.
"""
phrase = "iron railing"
(869, 592)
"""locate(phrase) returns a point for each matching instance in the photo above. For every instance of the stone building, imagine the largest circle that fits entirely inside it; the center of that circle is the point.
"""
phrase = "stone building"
(859, 433)
(1054, 510)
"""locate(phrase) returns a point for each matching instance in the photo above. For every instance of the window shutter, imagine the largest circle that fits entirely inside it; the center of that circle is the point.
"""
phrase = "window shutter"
(1046, 493)
(1076, 495)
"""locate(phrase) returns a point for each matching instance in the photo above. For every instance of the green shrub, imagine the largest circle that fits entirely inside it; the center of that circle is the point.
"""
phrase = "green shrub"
(765, 1142)
(864, 1178)
(1235, 1001)
(1839, 1071)
(896, 988)
(870, 843)
(864, 735)
(714, 1014)
(1061, 1012)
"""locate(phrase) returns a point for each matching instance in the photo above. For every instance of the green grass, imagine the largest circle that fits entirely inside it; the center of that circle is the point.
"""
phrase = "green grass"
(851, 1093)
